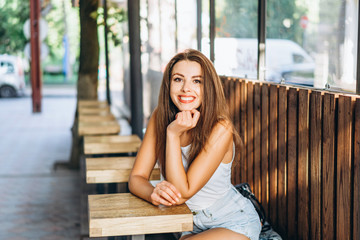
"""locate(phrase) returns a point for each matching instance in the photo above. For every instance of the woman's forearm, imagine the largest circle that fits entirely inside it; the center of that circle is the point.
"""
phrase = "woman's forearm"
(141, 187)
(175, 172)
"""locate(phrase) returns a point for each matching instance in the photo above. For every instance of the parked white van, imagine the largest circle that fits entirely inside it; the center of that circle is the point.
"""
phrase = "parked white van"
(285, 60)
(12, 80)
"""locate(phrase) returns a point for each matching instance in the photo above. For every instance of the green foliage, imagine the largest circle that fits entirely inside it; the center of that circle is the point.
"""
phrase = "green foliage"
(239, 19)
(60, 12)
(13, 14)
(280, 11)
(115, 17)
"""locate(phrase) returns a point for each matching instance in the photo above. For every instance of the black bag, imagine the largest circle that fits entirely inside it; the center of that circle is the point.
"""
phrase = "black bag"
(267, 232)
(244, 189)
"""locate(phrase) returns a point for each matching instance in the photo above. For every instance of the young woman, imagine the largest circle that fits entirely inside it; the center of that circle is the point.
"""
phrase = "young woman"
(192, 138)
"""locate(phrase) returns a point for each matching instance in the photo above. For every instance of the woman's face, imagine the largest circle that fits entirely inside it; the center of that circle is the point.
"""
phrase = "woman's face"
(186, 85)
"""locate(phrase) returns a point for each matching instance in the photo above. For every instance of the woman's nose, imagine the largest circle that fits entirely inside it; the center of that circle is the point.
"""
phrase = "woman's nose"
(186, 87)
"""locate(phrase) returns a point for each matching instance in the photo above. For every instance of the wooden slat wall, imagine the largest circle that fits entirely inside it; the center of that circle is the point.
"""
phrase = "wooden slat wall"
(301, 156)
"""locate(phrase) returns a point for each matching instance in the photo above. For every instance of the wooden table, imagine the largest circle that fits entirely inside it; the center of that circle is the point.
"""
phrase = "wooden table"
(125, 214)
(92, 103)
(98, 128)
(113, 170)
(111, 144)
(94, 111)
(96, 118)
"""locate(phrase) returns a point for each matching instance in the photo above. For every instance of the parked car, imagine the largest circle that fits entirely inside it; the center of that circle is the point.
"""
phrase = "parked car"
(12, 80)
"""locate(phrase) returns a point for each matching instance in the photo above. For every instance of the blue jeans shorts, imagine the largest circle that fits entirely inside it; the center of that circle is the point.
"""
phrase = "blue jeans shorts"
(233, 211)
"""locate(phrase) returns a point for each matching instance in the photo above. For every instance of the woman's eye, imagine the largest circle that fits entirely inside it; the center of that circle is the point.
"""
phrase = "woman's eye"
(177, 79)
(197, 81)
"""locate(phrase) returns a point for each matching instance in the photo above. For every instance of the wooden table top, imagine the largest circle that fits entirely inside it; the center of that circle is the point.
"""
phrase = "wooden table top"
(111, 144)
(113, 170)
(92, 103)
(94, 111)
(96, 118)
(125, 214)
(98, 128)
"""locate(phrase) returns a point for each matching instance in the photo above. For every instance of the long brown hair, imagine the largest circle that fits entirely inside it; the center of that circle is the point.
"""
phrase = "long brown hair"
(212, 110)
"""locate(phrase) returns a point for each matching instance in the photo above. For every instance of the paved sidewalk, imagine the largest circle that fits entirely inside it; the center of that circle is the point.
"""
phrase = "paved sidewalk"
(36, 202)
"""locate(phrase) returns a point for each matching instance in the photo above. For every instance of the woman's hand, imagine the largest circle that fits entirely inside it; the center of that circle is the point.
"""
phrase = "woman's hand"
(165, 193)
(184, 121)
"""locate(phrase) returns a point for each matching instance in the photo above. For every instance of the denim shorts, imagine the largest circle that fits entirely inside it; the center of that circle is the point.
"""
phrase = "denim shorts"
(233, 211)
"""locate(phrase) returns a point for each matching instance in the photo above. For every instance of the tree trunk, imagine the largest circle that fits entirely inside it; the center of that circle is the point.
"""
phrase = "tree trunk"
(88, 69)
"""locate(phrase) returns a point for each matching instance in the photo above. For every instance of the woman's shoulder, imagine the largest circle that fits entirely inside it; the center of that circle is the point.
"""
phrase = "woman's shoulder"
(224, 125)
(223, 129)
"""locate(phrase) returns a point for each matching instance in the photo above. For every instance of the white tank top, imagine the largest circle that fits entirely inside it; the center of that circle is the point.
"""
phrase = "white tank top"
(214, 189)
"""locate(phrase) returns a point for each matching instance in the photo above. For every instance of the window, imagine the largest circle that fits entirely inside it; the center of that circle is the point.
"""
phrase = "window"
(236, 44)
(316, 42)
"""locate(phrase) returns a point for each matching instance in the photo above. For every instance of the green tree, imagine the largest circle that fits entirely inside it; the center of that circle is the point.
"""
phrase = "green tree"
(278, 13)
(239, 19)
(13, 14)
(88, 69)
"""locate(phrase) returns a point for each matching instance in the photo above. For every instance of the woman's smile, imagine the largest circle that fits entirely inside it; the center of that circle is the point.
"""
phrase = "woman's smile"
(186, 99)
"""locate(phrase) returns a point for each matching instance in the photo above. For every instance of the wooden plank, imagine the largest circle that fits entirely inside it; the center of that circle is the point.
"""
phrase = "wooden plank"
(265, 147)
(356, 201)
(250, 134)
(98, 128)
(236, 167)
(92, 103)
(232, 110)
(226, 92)
(328, 165)
(112, 139)
(303, 165)
(343, 193)
(257, 141)
(125, 214)
(93, 111)
(282, 211)
(111, 144)
(243, 132)
(292, 163)
(231, 93)
(273, 158)
(315, 164)
(113, 170)
(96, 118)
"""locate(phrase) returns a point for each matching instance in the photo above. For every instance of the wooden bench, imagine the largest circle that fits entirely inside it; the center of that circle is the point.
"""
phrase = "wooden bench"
(125, 214)
(111, 144)
(112, 170)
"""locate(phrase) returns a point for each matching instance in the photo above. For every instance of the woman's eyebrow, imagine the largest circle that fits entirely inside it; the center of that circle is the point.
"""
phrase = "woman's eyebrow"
(197, 76)
(178, 74)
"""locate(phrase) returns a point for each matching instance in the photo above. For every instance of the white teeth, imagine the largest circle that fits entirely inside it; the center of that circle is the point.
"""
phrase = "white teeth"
(186, 98)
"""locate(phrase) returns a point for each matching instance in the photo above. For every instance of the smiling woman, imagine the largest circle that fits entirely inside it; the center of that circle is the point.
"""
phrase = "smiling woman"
(191, 136)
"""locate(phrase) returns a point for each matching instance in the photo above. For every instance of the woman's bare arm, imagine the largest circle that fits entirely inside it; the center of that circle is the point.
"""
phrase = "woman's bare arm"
(164, 193)
(204, 165)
